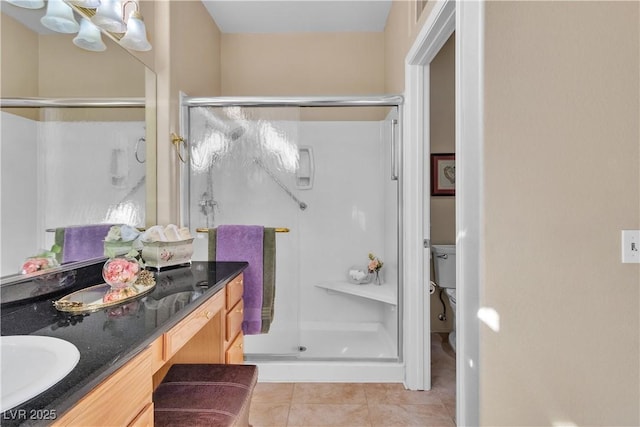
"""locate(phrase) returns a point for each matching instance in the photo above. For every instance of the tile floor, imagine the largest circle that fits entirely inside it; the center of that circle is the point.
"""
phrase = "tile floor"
(366, 404)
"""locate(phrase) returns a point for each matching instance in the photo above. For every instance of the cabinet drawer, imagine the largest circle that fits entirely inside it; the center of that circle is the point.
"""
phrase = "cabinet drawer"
(233, 321)
(145, 418)
(234, 291)
(118, 400)
(180, 334)
(235, 352)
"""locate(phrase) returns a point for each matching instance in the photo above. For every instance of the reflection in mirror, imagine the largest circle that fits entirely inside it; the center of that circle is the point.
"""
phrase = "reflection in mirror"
(76, 162)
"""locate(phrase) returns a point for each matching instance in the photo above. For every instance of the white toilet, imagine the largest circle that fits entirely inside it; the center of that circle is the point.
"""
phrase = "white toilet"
(444, 262)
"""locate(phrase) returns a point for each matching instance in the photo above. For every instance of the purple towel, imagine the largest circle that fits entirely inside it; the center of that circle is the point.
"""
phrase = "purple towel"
(84, 242)
(244, 243)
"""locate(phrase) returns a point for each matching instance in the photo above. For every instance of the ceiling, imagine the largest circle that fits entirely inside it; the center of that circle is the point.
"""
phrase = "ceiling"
(283, 16)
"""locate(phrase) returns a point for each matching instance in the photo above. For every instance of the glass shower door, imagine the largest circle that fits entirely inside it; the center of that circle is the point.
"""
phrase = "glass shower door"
(242, 172)
(328, 175)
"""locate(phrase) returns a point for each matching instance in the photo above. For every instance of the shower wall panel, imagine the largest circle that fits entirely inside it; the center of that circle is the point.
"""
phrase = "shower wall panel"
(345, 219)
(112, 187)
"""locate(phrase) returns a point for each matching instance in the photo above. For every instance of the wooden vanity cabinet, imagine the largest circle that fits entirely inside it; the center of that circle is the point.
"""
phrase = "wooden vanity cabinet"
(120, 400)
(212, 333)
(177, 337)
(234, 339)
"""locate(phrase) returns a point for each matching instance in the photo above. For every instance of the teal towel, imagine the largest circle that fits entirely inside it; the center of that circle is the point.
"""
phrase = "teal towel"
(212, 244)
(59, 241)
(269, 278)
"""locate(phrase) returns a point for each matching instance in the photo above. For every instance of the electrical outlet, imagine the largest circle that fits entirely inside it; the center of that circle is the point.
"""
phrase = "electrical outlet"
(631, 246)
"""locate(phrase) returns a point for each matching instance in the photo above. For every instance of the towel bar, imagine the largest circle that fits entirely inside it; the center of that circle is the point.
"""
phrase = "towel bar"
(278, 230)
(51, 230)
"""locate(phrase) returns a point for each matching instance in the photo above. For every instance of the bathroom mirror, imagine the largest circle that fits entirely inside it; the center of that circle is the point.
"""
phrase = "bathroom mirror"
(78, 164)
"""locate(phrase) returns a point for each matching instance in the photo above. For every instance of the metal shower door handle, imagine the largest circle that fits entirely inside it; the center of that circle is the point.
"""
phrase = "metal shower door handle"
(394, 165)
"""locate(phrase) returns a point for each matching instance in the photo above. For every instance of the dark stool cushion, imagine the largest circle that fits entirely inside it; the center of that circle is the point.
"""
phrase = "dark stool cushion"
(205, 395)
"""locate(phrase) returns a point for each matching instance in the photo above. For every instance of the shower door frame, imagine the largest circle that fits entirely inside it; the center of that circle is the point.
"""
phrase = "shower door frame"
(391, 100)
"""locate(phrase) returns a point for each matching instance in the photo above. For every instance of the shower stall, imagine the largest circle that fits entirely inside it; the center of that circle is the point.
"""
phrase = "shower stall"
(324, 172)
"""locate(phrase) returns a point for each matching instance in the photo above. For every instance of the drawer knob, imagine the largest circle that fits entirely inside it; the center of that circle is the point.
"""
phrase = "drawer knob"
(240, 345)
(240, 310)
(208, 314)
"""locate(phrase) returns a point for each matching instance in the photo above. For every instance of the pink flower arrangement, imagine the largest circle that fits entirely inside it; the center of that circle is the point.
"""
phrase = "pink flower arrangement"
(374, 263)
(31, 265)
(120, 272)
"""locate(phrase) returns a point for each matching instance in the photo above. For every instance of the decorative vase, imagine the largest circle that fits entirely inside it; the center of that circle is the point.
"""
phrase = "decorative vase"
(120, 272)
(377, 277)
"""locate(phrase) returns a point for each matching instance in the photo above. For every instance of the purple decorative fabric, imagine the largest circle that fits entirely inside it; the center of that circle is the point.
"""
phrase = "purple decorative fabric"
(245, 243)
(84, 242)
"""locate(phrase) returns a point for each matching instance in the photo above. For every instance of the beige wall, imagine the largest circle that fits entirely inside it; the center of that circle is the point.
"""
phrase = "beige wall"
(195, 50)
(19, 74)
(67, 71)
(187, 58)
(403, 25)
(562, 148)
(19, 60)
(302, 64)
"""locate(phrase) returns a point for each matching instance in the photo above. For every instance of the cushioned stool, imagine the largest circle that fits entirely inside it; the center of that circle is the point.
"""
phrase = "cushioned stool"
(205, 395)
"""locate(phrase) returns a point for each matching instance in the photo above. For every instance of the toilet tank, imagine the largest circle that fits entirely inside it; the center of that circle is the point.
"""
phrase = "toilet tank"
(444, 264)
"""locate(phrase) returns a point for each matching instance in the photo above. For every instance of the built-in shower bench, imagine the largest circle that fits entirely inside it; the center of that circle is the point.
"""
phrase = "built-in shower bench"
(387, 292)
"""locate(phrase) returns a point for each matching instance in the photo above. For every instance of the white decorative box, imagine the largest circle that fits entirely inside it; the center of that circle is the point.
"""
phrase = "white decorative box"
(165, 254)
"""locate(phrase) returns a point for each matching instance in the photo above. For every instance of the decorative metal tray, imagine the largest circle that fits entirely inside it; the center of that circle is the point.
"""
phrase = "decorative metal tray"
(91, 299)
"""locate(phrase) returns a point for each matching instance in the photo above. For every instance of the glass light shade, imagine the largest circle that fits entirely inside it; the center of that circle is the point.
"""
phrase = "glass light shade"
(136, 35)
(89, 4)
(109, 16)
(27, 4)
(89, 37)
(59, 18)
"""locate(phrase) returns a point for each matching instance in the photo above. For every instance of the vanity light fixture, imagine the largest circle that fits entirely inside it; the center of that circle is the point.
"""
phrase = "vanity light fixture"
(110, 17)
(136, 36)
(106, 15)
(59, 18)
(89, 37)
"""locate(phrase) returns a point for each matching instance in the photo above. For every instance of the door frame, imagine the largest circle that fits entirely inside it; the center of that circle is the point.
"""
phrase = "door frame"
(466, 18)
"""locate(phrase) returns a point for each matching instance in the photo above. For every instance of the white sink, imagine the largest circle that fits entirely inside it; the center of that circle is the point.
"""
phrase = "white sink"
(31, 364)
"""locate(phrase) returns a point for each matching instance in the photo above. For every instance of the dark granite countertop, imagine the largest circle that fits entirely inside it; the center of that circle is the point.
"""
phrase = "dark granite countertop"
(108, 338)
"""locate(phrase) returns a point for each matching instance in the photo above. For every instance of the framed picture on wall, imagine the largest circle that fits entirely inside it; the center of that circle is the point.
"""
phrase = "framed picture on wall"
(443, 174)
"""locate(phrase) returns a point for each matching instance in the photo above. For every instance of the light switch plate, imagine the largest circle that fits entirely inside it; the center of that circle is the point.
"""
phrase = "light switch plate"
(631, 246)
